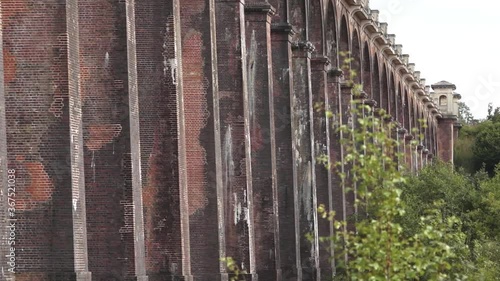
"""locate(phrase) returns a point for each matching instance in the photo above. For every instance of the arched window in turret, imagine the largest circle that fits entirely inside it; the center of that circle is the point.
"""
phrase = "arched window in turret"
(443, 101)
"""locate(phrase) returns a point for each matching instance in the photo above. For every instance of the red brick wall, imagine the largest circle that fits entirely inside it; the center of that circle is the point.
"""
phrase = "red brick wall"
(197, 114)
(157, 68)
(36, 92)
(106, 127)
(445, 140)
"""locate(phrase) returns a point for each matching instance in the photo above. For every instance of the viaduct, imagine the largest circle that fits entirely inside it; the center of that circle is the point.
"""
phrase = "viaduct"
(147, 139)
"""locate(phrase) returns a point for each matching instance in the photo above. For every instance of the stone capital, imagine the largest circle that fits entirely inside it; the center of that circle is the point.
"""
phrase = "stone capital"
(260, 7)
(388, 118)
(409, 138)
(320, 63)
(283, 27)
(370, 102)
(360, 96)
(346, 89)
(306, 46)
(402, 131)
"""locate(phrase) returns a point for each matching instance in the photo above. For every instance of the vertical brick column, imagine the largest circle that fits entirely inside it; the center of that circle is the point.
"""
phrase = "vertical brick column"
(336, 202)
(288, 192)
(77, 144)
(401, 132)
(445, 135)
(4, 175)
(358, 101)
(135, 148)
(346, 118)
(108, 84)
(409, 147)
(456, 129)
(303, 141)
(41, 142)
(425, 154)
(418, 156)
(235, 107)
(202, 157)
(166, 216)
(263, 148)
(321, 131)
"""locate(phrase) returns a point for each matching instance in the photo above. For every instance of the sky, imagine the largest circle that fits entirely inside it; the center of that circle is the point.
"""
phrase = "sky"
(453, 40)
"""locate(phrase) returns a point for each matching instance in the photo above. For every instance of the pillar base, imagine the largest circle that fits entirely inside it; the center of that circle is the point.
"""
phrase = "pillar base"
(50, 276)
(84, 276)
(270, 275)
(310, 273)
(167, 277)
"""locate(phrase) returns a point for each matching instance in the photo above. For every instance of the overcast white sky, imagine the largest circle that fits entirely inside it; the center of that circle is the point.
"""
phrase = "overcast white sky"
(453, 40)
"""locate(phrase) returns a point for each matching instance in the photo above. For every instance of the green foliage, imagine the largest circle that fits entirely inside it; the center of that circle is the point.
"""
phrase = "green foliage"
(378, 247)
(464, 156)
(493, 114)
(233, 268)
(464, 114)
(487, 145)
(474, 200)
(441, 224)
(478, 145)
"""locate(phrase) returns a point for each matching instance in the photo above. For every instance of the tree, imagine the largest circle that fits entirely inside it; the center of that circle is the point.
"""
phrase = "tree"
(464, 114)
(478, 144)
(493, 115)
(487, 145)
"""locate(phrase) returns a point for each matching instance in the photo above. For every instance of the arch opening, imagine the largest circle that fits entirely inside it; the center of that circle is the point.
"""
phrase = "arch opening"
(384, 90)
(315, 28)
(356, 56)
(376, 81)
(331, 35)
(344, 47)
(367, 73)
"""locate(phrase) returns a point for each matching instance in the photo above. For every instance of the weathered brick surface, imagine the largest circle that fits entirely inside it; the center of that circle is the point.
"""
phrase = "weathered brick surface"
(152, 138)
(4, 175)
(322, 190)
(106, 126)
(157, 67)
(260, 104)
(321, 131)
(200, 145)
(37, 119)
(445, 139)
(286, 185)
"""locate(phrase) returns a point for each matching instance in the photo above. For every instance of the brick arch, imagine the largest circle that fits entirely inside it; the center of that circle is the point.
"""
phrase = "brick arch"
(414, 114)
(281, 14)
(423, 120)
(315, 26)
(434, 137)
(331, 46)
(344, 41)
(376, 79)
(392, 96)
(384, 89)
(297, 19)
(366, 69)
(428, 132)
(400, 105)
(407, 111)
(419, 117)
(356, 55)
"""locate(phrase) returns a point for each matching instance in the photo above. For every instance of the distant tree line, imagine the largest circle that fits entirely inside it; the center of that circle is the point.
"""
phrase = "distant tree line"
(478, 145)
